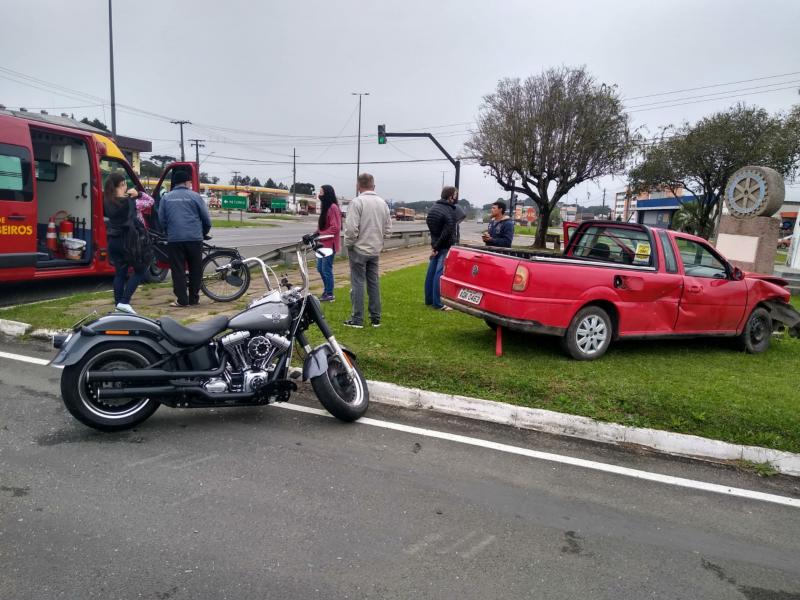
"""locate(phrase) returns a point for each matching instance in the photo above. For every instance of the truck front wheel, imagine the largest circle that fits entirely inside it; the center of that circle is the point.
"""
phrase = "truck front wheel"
(589, 334)
(757, 332)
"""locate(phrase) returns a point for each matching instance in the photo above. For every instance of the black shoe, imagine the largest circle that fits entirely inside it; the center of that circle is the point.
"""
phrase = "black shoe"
(353, 324)
(376, 323)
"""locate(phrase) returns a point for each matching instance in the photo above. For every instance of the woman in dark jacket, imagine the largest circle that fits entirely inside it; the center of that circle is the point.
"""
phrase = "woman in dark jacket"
(330, 223)
(119, 207)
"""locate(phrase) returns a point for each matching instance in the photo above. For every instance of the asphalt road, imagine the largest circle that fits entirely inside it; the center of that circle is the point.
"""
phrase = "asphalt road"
(251, 241)
(274, 503)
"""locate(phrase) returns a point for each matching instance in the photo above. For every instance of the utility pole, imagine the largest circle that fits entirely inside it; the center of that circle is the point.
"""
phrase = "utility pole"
(182, 123)
(443, 173)
(294, 178)
(111, 63)
(197, 145)
(358, 152)
(235, 179)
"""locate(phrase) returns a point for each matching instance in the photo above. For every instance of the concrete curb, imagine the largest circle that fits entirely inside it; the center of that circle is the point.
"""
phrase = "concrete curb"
(581, 427)
(13, 328)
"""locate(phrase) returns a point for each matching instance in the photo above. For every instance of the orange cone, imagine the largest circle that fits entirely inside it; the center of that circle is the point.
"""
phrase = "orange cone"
(52, 238)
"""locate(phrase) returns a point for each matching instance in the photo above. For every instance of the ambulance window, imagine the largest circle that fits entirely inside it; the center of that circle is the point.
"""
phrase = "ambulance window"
(113, 165)
(15, 174)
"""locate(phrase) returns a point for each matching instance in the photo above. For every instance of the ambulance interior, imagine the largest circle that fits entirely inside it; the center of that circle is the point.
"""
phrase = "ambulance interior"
(64, 191)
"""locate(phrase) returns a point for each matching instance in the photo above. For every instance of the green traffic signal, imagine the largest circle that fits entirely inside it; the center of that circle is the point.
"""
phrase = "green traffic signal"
(381, 134)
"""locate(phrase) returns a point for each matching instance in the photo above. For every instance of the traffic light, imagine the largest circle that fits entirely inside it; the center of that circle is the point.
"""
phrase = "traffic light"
(381, 134)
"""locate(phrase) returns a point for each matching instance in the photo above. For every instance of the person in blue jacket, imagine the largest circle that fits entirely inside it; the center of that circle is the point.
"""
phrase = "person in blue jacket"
(185, 219)
(501, 227)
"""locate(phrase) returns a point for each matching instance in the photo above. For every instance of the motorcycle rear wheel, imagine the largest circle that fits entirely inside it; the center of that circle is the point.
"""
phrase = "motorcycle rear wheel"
(345, 398)
(80, 397)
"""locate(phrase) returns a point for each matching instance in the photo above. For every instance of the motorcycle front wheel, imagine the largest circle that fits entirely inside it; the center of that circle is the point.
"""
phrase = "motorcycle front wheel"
(227, 285)
(345, 398)
(80, 396)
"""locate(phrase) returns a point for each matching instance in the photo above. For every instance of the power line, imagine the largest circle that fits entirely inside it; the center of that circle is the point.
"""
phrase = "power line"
(791, 87)
(705, 87)
(757, 87)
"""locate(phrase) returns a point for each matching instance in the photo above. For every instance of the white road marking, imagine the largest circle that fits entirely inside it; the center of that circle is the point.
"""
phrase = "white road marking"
(478, 548)
(546, 456)
(423, 543)
(564, 460)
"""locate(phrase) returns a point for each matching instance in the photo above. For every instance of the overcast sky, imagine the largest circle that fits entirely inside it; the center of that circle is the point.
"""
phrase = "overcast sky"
(258, 79)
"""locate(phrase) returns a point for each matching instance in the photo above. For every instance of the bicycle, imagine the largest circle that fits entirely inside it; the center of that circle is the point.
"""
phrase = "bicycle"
(223, 280)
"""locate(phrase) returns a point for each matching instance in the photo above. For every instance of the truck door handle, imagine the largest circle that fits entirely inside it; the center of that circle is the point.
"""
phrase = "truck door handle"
(695, 288)
(618, 282)
(83, 190)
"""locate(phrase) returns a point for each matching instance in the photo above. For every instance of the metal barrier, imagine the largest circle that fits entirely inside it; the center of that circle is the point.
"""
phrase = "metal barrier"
(398, 239)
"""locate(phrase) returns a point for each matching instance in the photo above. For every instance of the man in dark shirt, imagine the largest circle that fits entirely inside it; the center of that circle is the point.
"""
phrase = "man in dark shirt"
(501, 227)
(441, 223)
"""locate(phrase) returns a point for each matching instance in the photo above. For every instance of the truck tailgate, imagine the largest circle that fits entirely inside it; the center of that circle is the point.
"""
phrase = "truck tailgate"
(480, 271)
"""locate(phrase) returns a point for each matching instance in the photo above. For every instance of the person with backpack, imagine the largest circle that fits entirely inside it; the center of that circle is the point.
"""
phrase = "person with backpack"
(119, 208)
(185, 219)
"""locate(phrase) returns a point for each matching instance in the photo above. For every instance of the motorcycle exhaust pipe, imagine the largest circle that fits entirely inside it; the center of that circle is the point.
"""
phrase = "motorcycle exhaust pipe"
(146, 375)
(170, 391)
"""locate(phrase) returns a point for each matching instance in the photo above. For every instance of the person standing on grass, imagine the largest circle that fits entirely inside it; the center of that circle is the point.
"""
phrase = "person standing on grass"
(501, 227)
(330, 223)
(367, 224)
(441, 222)
(185, 219)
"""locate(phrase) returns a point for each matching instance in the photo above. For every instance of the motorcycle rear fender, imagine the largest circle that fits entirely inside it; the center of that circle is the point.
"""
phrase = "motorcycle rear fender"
(141, 331)
(316, 363)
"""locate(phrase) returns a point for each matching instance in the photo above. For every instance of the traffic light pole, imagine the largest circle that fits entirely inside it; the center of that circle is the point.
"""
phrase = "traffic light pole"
(456, 163)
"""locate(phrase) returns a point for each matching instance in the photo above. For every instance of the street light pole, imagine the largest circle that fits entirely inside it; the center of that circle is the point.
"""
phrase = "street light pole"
(358, 152)
(111, 63)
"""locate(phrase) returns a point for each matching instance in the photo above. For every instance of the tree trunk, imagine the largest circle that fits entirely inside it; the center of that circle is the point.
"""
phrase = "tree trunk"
(544, 223)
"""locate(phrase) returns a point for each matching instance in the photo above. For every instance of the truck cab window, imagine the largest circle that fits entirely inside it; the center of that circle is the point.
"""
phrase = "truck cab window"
(698, 261)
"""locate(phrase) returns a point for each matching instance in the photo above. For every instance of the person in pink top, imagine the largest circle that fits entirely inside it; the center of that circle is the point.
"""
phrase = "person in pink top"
(330, 223)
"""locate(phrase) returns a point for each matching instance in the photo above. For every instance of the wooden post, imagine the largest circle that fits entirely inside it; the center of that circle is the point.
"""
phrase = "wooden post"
(498, 343)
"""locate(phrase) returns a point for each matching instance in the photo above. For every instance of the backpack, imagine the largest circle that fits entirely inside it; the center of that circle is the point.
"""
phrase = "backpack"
(138, 246)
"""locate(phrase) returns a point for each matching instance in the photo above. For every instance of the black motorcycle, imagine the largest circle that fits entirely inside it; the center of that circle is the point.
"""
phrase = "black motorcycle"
(120, 367)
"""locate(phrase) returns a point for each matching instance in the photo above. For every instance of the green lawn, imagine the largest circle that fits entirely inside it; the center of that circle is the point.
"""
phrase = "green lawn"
(235, 223)
(702, 387)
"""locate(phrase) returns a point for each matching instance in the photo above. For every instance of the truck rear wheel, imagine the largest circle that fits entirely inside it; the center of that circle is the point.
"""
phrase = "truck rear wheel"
(589, 334)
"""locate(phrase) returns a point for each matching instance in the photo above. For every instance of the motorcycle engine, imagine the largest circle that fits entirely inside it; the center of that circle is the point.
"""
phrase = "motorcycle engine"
(249, 356)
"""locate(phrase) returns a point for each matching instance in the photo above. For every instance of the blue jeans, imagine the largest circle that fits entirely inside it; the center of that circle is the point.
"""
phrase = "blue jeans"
(325, 268)
(435, 267)
(124, 287)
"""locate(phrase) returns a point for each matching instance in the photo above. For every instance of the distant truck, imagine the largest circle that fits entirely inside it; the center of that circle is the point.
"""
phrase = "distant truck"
(404, 214)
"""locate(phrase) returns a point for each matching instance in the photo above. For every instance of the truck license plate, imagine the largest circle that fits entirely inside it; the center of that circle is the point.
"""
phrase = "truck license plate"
(470, 296)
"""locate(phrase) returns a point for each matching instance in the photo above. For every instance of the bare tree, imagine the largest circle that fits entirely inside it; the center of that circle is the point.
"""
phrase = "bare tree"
(543, 136)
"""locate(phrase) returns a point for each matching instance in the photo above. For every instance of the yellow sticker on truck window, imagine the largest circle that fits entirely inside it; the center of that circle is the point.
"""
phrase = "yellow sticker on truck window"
(642, 253)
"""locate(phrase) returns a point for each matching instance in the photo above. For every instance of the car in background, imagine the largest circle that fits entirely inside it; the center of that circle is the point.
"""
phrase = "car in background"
(784, 242)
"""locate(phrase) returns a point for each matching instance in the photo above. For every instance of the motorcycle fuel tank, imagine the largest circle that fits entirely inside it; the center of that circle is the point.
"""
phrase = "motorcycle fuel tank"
(266, 316)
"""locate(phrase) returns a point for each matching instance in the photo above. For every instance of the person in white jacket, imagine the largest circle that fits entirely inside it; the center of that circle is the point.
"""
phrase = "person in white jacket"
(367, 224)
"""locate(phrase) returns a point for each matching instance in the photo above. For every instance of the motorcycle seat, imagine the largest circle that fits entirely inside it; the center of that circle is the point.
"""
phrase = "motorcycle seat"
(195, 334)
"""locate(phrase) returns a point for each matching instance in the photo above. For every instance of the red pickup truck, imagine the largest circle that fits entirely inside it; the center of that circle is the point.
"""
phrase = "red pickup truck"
(618, 280)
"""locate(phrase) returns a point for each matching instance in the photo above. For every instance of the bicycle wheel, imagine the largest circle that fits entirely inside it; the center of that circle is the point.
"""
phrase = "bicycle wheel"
(228, 284)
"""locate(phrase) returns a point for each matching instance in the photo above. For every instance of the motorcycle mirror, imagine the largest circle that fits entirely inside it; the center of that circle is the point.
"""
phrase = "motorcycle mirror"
(323, 252)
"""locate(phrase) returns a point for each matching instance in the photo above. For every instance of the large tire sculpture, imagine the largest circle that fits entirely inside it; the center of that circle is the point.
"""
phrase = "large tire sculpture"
(754, 192)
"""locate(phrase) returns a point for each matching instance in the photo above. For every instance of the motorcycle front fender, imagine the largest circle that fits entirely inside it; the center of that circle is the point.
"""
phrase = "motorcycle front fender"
(316, 362)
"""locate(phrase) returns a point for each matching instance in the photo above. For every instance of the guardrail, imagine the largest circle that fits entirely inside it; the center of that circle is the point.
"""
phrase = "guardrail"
(399, 239)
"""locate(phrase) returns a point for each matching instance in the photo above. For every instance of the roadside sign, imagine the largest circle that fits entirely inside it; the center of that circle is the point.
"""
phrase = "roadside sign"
(234, 202)
(279, 204)
(530, 215)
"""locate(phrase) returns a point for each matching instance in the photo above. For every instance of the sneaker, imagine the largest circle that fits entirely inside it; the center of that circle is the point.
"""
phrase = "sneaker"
(125, 308)
(376, 323)
(351, 323)
(327, 298)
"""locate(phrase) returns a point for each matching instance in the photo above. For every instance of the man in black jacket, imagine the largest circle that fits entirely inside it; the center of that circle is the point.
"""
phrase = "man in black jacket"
(441, 223)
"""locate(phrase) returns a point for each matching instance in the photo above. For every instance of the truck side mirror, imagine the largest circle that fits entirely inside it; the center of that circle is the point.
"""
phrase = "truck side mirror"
(737, 274)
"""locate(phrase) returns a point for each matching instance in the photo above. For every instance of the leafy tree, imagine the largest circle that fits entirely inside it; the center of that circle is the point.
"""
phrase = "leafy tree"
(543, 136)
(255, 182)
(690, 217)
(282, 186)
(215, 180)
(270, 183)
(303, 188)
(163, 159)
(95, 123)
(700, 158)
(204, 178)
(150, 169)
